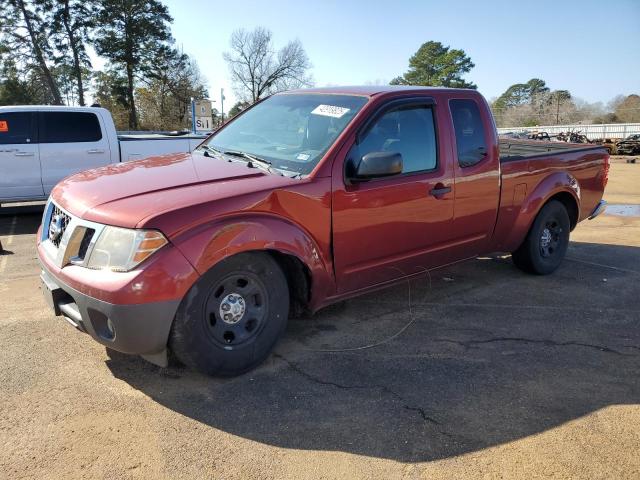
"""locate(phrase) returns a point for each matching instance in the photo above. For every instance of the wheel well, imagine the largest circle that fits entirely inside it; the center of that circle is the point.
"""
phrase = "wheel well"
(570, 204)
(298, 280)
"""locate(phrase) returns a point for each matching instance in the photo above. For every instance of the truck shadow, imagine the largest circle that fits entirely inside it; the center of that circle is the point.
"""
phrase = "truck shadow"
(481, 355)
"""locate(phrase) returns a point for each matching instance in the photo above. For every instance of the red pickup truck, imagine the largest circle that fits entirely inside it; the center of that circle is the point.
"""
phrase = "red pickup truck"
(307, 198)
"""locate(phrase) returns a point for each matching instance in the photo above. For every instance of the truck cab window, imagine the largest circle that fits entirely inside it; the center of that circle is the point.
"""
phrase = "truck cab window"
(469, 129)
(407, 130)
(69, 127)
(15, 128)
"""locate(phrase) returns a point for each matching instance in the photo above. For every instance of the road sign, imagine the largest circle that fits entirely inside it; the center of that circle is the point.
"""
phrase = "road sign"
(203, 108)
(203, 123)
(201, 120)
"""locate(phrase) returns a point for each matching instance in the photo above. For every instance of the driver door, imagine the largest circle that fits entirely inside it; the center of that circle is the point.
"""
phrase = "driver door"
(391, 227)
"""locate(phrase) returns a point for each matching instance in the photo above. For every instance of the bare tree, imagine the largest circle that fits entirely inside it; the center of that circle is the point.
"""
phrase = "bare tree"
(628, 110)
(258, 70)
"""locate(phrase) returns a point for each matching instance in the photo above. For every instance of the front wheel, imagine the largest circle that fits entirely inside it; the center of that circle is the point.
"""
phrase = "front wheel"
(231, 319)
(546, 243)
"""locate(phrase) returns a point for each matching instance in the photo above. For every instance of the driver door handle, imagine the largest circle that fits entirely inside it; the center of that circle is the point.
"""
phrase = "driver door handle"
(95, 150)
(439, 190)
(24, 154)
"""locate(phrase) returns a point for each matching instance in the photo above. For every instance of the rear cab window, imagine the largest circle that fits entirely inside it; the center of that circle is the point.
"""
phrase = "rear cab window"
(69, 127)
(16, 128)
(471, 145)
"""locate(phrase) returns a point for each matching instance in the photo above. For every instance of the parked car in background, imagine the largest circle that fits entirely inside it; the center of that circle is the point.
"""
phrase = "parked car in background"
(629, 146)
(608, 143)
(40, 145)
(303, 200)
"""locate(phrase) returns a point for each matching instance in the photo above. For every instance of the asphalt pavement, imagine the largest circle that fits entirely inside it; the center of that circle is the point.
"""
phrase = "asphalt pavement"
(477, 371)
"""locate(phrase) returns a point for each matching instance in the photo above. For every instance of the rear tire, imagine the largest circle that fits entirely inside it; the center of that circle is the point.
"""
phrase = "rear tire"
(231, 319)
(546, 243)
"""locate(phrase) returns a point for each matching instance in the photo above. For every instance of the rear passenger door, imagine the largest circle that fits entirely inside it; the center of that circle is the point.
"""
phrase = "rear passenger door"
(477, 173)
(69, 143)
(19, 160)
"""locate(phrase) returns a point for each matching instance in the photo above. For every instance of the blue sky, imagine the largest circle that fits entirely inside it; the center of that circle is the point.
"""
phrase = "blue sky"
(591, 48)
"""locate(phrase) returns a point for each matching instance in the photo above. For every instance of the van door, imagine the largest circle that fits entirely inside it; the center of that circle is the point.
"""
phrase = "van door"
(70, 141)
(19, 159)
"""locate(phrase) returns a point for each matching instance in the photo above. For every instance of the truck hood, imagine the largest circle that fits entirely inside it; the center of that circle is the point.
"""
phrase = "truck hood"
(126, 194)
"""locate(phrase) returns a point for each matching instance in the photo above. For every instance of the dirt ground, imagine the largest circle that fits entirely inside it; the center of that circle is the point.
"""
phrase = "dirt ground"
(481, 372)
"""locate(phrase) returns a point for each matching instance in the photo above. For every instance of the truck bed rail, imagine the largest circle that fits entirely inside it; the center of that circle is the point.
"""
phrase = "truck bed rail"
(511, 150)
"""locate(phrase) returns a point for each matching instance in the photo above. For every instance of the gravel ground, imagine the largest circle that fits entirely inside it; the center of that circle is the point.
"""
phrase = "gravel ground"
(496, 374)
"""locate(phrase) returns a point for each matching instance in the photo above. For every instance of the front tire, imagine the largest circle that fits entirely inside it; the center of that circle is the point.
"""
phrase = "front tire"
(231, 319)
(546, 243)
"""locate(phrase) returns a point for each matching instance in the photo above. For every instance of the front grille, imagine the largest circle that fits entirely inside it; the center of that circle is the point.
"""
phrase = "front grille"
(57, 225)
(65, 238)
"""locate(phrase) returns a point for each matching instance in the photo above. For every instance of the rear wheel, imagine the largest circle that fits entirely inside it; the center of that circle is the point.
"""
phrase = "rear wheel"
(233, 316)
(546, 243)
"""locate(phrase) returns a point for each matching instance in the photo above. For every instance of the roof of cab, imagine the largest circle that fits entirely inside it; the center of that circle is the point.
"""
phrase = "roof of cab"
(372, 90)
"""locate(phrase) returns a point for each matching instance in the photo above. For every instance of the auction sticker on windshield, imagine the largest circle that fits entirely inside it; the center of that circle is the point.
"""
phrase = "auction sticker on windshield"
(330, 111)
(4, 126)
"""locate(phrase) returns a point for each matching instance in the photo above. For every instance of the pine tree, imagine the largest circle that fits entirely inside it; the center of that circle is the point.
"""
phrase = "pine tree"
(436, 65)
(131, 35)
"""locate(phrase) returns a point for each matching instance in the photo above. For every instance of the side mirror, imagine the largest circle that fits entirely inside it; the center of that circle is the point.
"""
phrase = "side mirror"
(377, 165)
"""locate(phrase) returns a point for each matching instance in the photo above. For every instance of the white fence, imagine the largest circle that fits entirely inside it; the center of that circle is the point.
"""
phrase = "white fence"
(604, 130)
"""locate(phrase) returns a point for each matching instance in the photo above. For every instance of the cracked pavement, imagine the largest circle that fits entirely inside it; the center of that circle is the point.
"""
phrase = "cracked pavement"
(486, 373)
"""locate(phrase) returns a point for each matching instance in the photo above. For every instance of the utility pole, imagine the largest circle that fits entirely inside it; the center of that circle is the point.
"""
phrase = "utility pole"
(222, 105)
(193, 115)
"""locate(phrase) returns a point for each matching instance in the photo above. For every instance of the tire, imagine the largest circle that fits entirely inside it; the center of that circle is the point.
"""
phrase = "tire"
(231, 319)
(546, 243)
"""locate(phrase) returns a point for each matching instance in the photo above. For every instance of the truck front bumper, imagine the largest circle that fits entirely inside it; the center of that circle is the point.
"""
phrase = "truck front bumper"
(141, 329)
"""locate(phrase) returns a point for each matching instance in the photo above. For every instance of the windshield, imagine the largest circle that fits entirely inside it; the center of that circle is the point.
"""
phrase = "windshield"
(290, 131)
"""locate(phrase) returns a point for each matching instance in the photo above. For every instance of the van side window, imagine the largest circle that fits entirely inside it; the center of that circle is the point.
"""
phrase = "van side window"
(470, 139)
(69, 127)
(15, 128)
(407, 130)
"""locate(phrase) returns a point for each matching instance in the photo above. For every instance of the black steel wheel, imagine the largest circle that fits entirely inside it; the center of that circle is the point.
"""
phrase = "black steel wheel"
(546, 243)
(550, 238)
(237, 308)
(233, 316)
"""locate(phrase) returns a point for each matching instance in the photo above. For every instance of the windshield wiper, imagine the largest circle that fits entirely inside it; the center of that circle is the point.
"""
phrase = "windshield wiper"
(248, 156)
(208, 149)
(254, 161)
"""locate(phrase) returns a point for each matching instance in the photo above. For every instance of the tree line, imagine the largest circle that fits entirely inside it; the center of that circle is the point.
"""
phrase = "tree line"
(44, 59)
(148, 82)
(522, 104)
(533, 103)
(434, 64)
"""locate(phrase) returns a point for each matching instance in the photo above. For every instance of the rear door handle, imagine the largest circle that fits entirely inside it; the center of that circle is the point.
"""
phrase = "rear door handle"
(439, 190)
(95, 150)
(24, 154)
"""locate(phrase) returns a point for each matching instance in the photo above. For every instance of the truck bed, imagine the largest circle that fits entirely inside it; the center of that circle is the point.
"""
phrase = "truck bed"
(518, 149)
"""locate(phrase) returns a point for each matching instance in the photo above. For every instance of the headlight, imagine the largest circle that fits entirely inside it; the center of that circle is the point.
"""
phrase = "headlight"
(122, 249)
